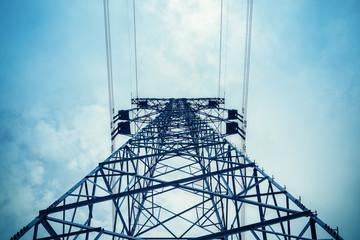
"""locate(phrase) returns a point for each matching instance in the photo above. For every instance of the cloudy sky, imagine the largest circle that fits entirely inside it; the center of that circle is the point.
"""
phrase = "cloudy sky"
(304, 95)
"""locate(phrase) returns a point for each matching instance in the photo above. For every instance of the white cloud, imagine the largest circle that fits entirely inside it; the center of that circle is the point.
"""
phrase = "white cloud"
(36, 173)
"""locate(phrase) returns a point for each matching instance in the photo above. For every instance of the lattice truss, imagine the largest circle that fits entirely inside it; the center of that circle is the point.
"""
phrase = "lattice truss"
(177, 178)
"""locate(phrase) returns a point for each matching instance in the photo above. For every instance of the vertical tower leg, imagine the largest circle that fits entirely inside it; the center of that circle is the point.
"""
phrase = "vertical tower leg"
(313, 229)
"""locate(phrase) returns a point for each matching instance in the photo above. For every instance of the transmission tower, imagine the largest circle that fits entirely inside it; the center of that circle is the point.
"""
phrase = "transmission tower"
(177, 177)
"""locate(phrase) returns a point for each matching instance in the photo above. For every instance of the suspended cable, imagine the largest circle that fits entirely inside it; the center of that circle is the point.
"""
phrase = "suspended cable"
(221, 16)
(136, 75)
(226, 46)
(246, 88)
(130, 67)
(109, 67)
(247, 64)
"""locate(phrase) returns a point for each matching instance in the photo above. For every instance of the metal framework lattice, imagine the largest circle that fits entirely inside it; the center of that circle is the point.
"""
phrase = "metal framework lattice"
(177, 178)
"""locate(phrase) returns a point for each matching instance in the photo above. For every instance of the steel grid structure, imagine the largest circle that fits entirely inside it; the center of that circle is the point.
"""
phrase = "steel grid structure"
(177, 178)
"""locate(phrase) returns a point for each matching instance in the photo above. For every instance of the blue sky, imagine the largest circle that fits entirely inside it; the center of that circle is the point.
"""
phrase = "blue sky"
(304, 106)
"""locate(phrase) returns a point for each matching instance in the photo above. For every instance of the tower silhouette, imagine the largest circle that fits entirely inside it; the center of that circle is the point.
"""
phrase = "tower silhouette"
(177, 177)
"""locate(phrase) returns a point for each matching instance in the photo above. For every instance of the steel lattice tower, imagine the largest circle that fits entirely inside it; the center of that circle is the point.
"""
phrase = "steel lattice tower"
(177, 178)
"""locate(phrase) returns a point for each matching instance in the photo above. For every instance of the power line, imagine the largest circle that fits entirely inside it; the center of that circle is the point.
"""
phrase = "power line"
(226, 46)
(247, 64)
(246, 86)
(130, 67)
(109, 66)
(221, 16)
(136, 75)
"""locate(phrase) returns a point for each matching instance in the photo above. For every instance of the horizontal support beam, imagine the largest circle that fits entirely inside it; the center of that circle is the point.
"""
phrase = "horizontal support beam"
(135, 191)
(71, 234)
(92, 229)
(255, 226)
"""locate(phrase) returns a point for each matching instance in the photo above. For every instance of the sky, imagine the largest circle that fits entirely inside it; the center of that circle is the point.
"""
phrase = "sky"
(304, 91)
